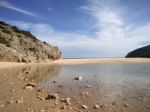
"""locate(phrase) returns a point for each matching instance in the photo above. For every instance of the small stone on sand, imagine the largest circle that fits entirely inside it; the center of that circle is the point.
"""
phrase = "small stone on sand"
(68, 101)
(84, 106)
(53, 97)
(10, 102)
(28, 87)
(31, 84)
(126, 105)
(20, 100)
(42, 110)
(63, 107)
(96, 106)
(1, 106)
(114, 103)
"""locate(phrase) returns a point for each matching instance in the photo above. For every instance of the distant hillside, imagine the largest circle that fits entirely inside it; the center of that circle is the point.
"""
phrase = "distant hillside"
(21, 46)
(140, 52)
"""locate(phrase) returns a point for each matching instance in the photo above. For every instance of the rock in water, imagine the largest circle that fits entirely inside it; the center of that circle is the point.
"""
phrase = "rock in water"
(21, 46)
(78, 78)
(140, 52)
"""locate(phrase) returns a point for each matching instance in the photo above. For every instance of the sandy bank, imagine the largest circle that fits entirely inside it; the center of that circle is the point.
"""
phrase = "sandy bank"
(78, 61)
(100, 60)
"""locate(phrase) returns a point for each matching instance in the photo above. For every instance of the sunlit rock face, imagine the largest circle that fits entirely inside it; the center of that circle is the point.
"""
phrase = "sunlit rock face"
(21, 46)
(140, 52)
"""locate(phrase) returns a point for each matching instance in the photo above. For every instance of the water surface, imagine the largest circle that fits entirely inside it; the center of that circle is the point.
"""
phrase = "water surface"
(115, 86)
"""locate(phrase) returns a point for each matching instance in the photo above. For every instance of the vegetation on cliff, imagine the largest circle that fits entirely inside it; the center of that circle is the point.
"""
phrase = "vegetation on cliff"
(140, 52)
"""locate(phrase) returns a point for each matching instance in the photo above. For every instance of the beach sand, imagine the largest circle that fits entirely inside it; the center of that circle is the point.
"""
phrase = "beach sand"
(15, 76)
(78, 61)
(100, 60)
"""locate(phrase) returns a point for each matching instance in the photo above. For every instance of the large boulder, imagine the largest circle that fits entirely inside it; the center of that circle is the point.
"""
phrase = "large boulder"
(21, 46)
(143, 52)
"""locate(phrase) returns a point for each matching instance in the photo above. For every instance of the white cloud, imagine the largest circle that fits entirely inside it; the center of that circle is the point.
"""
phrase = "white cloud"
(113, 36)
(15, 8)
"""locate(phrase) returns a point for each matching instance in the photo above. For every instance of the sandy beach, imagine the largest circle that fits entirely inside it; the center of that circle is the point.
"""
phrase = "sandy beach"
(78, 61)
(100, 60)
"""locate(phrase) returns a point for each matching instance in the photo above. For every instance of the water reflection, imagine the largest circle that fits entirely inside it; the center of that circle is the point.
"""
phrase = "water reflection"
(42, 73)
(38, 73)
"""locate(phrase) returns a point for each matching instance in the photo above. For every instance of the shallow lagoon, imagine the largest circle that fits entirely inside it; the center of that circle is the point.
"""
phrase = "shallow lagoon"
(114, 86)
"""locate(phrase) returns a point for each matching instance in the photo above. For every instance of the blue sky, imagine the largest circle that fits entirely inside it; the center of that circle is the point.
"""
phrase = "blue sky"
(83, 28)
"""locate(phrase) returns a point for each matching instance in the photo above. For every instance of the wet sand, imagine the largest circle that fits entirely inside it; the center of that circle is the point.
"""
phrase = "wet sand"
(14, 96)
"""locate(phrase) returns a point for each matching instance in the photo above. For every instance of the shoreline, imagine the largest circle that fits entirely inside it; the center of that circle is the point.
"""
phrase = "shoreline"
(78, 61)
(99, 60)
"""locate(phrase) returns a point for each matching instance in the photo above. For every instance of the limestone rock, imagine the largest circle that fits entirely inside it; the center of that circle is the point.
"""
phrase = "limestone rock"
(31, 84)
(21, 46)
(96, 106)
(84, 106)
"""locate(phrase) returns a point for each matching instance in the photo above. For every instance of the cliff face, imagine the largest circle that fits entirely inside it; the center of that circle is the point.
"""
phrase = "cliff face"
(140, 52)
(21, 46)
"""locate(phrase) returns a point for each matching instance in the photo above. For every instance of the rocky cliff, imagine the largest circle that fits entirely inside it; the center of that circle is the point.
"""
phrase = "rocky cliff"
(21, 46)
(140, 52)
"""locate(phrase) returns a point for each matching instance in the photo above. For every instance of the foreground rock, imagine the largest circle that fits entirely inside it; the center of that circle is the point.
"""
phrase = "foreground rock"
(30, 86)
(84, 106)
(21, 46)
(96, 106)
(52, 97)
(140, 52)
(67, 101)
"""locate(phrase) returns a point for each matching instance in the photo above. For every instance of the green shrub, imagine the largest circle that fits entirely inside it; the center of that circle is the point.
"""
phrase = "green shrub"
(2, 27)
(6, 31)
(3, 23)
(26, 33)
(14, 28)
(3, 40)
